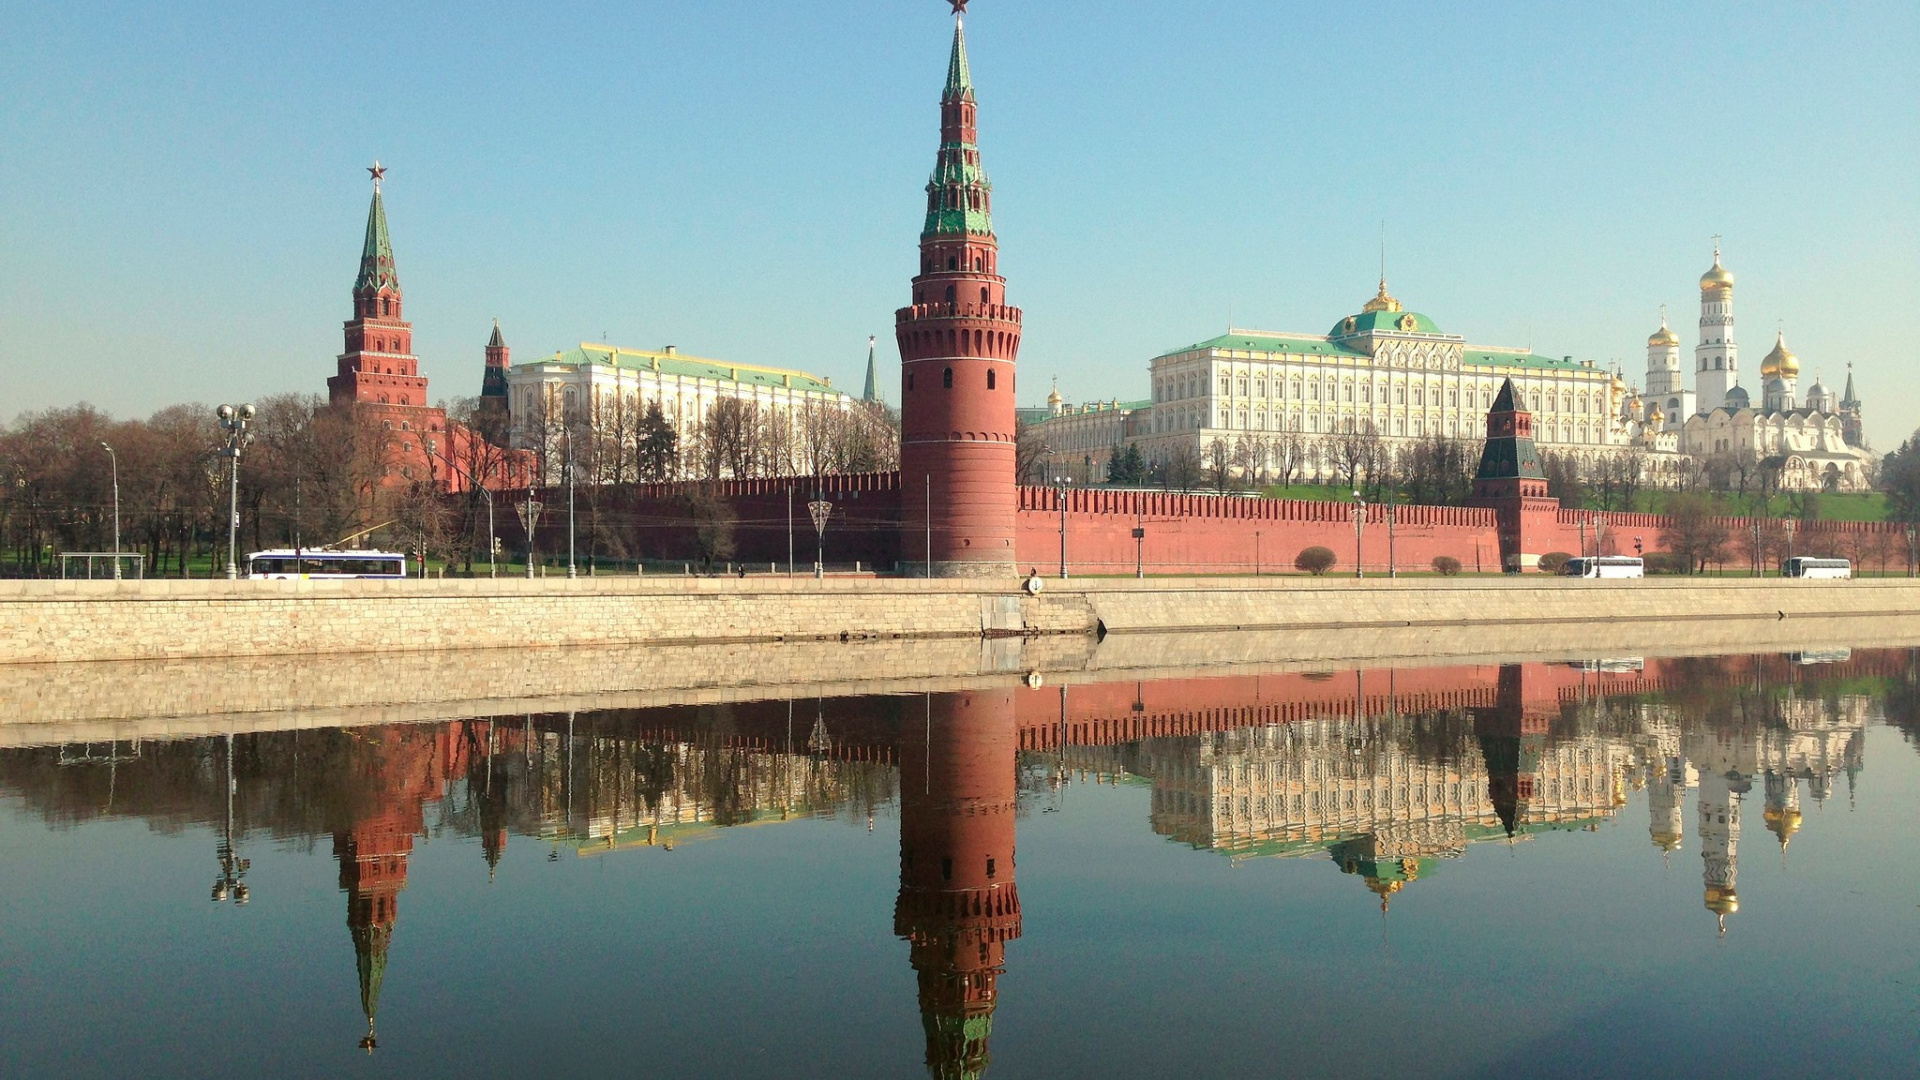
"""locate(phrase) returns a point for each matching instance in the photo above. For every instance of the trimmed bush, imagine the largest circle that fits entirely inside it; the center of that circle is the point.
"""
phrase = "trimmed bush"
(1664, 562)
(1316, 560)
(1446, 565)
(1553, 562)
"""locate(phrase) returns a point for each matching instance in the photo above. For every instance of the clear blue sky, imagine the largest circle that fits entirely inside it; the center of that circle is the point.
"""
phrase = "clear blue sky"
(183, 194)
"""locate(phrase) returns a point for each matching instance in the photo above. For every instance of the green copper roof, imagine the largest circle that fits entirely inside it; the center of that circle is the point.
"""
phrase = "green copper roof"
(496, 341)
(1383, 322)
(1249, 341)
(694, 367)
(376, 256)
(871, 392)
(959, 76)
(370, 944)
(1495, 358)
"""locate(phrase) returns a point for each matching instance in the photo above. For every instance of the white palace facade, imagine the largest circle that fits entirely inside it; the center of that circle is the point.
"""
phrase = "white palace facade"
(1391, 373)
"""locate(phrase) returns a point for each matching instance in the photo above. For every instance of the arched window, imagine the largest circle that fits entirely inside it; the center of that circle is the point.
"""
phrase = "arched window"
(950, 295)
(946, 380)
(990, 379)
(952, 263)
(909, 380)
(983, 294)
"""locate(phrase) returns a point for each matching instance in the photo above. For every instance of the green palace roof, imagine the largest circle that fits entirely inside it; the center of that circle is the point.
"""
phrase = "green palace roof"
(692, 367)
(1255, 341)
(1383, 322)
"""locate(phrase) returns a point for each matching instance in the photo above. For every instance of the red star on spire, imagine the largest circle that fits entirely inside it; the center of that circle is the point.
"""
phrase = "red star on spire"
(378, 170)
(959, 6)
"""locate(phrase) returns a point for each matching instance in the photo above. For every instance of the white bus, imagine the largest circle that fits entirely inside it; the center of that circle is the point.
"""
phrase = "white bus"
(1809, 567)
(286, 564)
(1605, 566)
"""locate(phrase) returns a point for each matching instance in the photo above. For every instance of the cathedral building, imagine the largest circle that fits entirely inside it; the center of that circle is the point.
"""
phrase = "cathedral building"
(1783, 440)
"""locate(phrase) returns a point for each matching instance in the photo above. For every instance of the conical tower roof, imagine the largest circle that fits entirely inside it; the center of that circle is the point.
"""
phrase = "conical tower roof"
(872, 390)
(496, 341)
(376, 255)
(959, 76)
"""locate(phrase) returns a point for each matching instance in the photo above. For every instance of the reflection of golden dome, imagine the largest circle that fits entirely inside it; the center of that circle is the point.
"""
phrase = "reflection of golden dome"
(1381, 301)
(1780, 361)
(1667, 841)
(1782, 823)
(1384, 889)
(1717, 278)
(1722, 901)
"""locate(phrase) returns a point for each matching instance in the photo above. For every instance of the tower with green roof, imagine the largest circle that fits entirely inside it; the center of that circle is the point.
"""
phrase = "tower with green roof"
(958, 340)
(377, 366)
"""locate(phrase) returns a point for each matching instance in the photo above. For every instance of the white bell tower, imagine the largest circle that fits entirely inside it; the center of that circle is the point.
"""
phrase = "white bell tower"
(1716, 358)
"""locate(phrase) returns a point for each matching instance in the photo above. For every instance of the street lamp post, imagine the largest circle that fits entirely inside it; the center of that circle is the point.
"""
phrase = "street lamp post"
(571, 572)
(1060, 484)
(820, 510)
(234, 422)
(1911, 537)
(115, 459)
(1359, 532)
(1393, 565)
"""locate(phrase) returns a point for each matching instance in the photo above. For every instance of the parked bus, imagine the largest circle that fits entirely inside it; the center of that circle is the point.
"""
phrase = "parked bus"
(1810, 567)
(1605, 566)
(286, 564)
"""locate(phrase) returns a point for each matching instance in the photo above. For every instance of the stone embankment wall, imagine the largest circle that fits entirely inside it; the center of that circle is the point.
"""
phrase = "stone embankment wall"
(42, 621)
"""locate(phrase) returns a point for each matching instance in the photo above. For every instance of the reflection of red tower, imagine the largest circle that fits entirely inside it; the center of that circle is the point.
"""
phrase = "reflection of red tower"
(958, 906)
(1513, 737)
(957, 345)
(402, 770)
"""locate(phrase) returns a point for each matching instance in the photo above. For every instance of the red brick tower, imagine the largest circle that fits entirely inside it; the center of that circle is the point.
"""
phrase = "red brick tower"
(957, 344)
(378, 366)
(1511, 482)
(958, 906)
(494, 383)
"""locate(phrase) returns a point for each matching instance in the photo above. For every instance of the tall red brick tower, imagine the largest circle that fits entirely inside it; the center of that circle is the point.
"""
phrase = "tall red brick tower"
(957, 344)
(378, 366)
(958, 906)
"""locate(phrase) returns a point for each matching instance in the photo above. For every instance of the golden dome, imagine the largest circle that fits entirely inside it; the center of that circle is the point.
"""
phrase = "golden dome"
(1717, 278)
(1381, 301)
(1780, 361)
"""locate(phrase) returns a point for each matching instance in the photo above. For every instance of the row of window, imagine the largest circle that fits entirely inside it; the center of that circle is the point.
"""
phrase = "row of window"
(1363, 392)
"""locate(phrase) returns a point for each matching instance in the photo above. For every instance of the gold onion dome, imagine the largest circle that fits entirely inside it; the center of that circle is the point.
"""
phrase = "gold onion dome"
(1663, 336)
(1780, 361)
(1717, 278)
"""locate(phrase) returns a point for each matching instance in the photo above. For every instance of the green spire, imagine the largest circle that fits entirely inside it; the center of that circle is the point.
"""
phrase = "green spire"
(872, 391)
(370, 945)
(496, 341)
(959, 77)
(1847, 399)
(376, 257)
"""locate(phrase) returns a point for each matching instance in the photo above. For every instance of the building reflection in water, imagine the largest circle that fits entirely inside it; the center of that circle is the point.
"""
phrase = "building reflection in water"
(1390, 774)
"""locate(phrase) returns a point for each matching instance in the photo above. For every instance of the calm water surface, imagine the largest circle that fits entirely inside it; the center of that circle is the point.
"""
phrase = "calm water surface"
(1619, 868)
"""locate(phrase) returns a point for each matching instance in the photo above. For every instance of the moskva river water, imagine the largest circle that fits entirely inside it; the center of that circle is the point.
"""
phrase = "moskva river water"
(1615, 867)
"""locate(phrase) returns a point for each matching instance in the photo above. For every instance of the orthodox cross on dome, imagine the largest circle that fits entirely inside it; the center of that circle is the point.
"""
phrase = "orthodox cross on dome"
(378, 170)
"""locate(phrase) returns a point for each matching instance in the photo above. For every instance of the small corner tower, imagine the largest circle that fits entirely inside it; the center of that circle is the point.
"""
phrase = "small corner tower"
(1716, 357)
(1511, 482)
(957, 341)
(493, 384)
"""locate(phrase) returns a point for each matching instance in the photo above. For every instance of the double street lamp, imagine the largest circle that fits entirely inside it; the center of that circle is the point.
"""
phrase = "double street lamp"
(1359, 530)
(234, 422)
(1060, 485)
